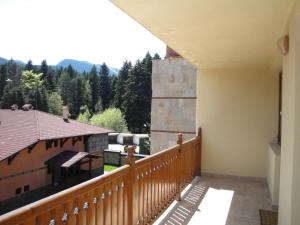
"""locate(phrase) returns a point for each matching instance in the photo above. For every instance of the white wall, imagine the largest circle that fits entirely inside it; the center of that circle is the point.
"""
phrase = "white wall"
(237, 110)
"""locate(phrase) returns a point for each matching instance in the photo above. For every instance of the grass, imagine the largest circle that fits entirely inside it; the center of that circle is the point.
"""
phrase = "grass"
(108, 168)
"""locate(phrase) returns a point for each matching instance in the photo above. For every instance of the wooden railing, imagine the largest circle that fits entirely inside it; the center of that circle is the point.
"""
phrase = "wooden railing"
(136, 193)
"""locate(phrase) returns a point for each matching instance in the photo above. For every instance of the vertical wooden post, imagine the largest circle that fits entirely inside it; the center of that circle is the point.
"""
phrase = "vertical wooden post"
(90, 167)
(131, 162)
(179, 142)
(199, 149)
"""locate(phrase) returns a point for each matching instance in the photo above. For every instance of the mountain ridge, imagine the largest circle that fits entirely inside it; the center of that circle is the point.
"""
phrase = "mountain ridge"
(78, 65)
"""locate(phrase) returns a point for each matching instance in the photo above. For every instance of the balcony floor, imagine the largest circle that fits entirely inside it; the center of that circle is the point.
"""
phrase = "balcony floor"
(211, 200)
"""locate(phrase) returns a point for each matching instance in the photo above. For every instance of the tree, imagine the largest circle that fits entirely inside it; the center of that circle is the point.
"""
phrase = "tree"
(3, 78)
(131, 99)
(66, 90)
(47, 75)
(120, 84)
(13, 72)
(55, 103)
(31, 83)
(71, 71)
(29, 65)
(105, 92)
(146, 86)
(111, 118)
(94, 83)
(156, 56)
(12, 95)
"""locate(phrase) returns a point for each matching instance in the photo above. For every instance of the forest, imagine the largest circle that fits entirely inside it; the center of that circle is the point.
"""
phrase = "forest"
(48, 88)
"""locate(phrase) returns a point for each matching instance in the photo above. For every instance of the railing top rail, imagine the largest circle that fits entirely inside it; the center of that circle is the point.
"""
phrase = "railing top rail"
(46, 204)
(156, 155)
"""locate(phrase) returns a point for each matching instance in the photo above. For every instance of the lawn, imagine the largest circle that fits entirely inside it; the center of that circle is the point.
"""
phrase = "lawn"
(108, 168)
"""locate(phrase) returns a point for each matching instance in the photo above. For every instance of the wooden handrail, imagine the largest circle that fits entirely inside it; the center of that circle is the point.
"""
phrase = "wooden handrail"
(136, 193)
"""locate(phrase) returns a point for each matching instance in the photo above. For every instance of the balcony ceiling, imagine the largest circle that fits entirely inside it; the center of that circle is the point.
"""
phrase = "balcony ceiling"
(215, 33)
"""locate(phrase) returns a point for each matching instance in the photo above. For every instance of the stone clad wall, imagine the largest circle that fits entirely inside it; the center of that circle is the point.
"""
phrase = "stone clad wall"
(174, 98)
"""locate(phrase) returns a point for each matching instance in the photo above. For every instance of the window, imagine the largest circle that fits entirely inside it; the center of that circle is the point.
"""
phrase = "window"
(26, 188)
(18, 191)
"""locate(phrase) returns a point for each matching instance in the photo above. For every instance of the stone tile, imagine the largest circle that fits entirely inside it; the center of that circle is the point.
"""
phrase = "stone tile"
(249, 196)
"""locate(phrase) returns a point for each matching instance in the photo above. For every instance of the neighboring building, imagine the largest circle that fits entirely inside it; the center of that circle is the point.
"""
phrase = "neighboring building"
(174, 84)
(38, 149)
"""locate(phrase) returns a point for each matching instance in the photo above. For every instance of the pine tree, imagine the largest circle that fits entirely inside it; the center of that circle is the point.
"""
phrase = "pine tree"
(132, 103)
(13, 72)
(95, 89)
(71, 71)
(113, 86)
(147, 88)
(12, 95)
(3, 78)
(105, 92)
(29, 65)
(47, 75)
(120, 84)
(65, 90)
(156, 56)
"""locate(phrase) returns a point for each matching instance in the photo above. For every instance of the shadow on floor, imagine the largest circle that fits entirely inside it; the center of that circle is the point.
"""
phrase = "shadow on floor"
(183, 211)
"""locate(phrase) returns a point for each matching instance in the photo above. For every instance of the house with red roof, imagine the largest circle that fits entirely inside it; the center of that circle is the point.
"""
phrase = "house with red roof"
(39, 149)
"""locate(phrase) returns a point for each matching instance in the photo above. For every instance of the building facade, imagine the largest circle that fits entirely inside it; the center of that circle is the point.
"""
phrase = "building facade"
(69, 152)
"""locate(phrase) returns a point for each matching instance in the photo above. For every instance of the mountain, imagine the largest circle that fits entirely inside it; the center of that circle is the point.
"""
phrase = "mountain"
(82, 66)
(79, 66)
(3, 61)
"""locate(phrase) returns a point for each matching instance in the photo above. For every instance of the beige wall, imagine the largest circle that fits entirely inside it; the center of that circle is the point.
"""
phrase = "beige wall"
(237, 110)
(289, 197)
(273, 175)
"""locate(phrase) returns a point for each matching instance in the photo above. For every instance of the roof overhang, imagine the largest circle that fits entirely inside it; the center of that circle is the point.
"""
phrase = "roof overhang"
(215, 33)
(66, 159)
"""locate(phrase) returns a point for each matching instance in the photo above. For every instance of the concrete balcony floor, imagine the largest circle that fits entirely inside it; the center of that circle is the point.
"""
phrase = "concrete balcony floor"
(212, 200)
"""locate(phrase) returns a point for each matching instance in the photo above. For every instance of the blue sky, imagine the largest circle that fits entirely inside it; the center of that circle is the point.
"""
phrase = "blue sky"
(89, 30)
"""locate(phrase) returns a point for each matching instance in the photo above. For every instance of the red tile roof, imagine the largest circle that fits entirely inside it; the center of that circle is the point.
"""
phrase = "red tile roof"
(20, 129)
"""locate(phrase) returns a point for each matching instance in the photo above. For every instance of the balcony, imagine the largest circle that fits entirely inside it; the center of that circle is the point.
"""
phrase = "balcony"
(136, 193)
(163, 188)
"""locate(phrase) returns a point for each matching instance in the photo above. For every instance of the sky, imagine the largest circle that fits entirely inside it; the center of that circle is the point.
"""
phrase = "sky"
(89, 30)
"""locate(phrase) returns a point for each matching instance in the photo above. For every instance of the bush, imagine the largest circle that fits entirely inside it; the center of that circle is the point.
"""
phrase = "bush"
(111, 118)
(84, 115)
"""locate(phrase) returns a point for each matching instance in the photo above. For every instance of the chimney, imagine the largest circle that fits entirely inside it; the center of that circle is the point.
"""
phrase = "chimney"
(14, 107)
(170, 53)
(27, 107)
(66, 113)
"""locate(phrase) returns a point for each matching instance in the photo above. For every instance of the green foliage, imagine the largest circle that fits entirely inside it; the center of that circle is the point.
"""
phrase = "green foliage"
(105, 90)
(34, 94)
(95, 89)
(84, 115)
(47, 88)
(111, 118)
(3, 77)
(120, 85)
(29, 65)
(31, 81)
(55, 103)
